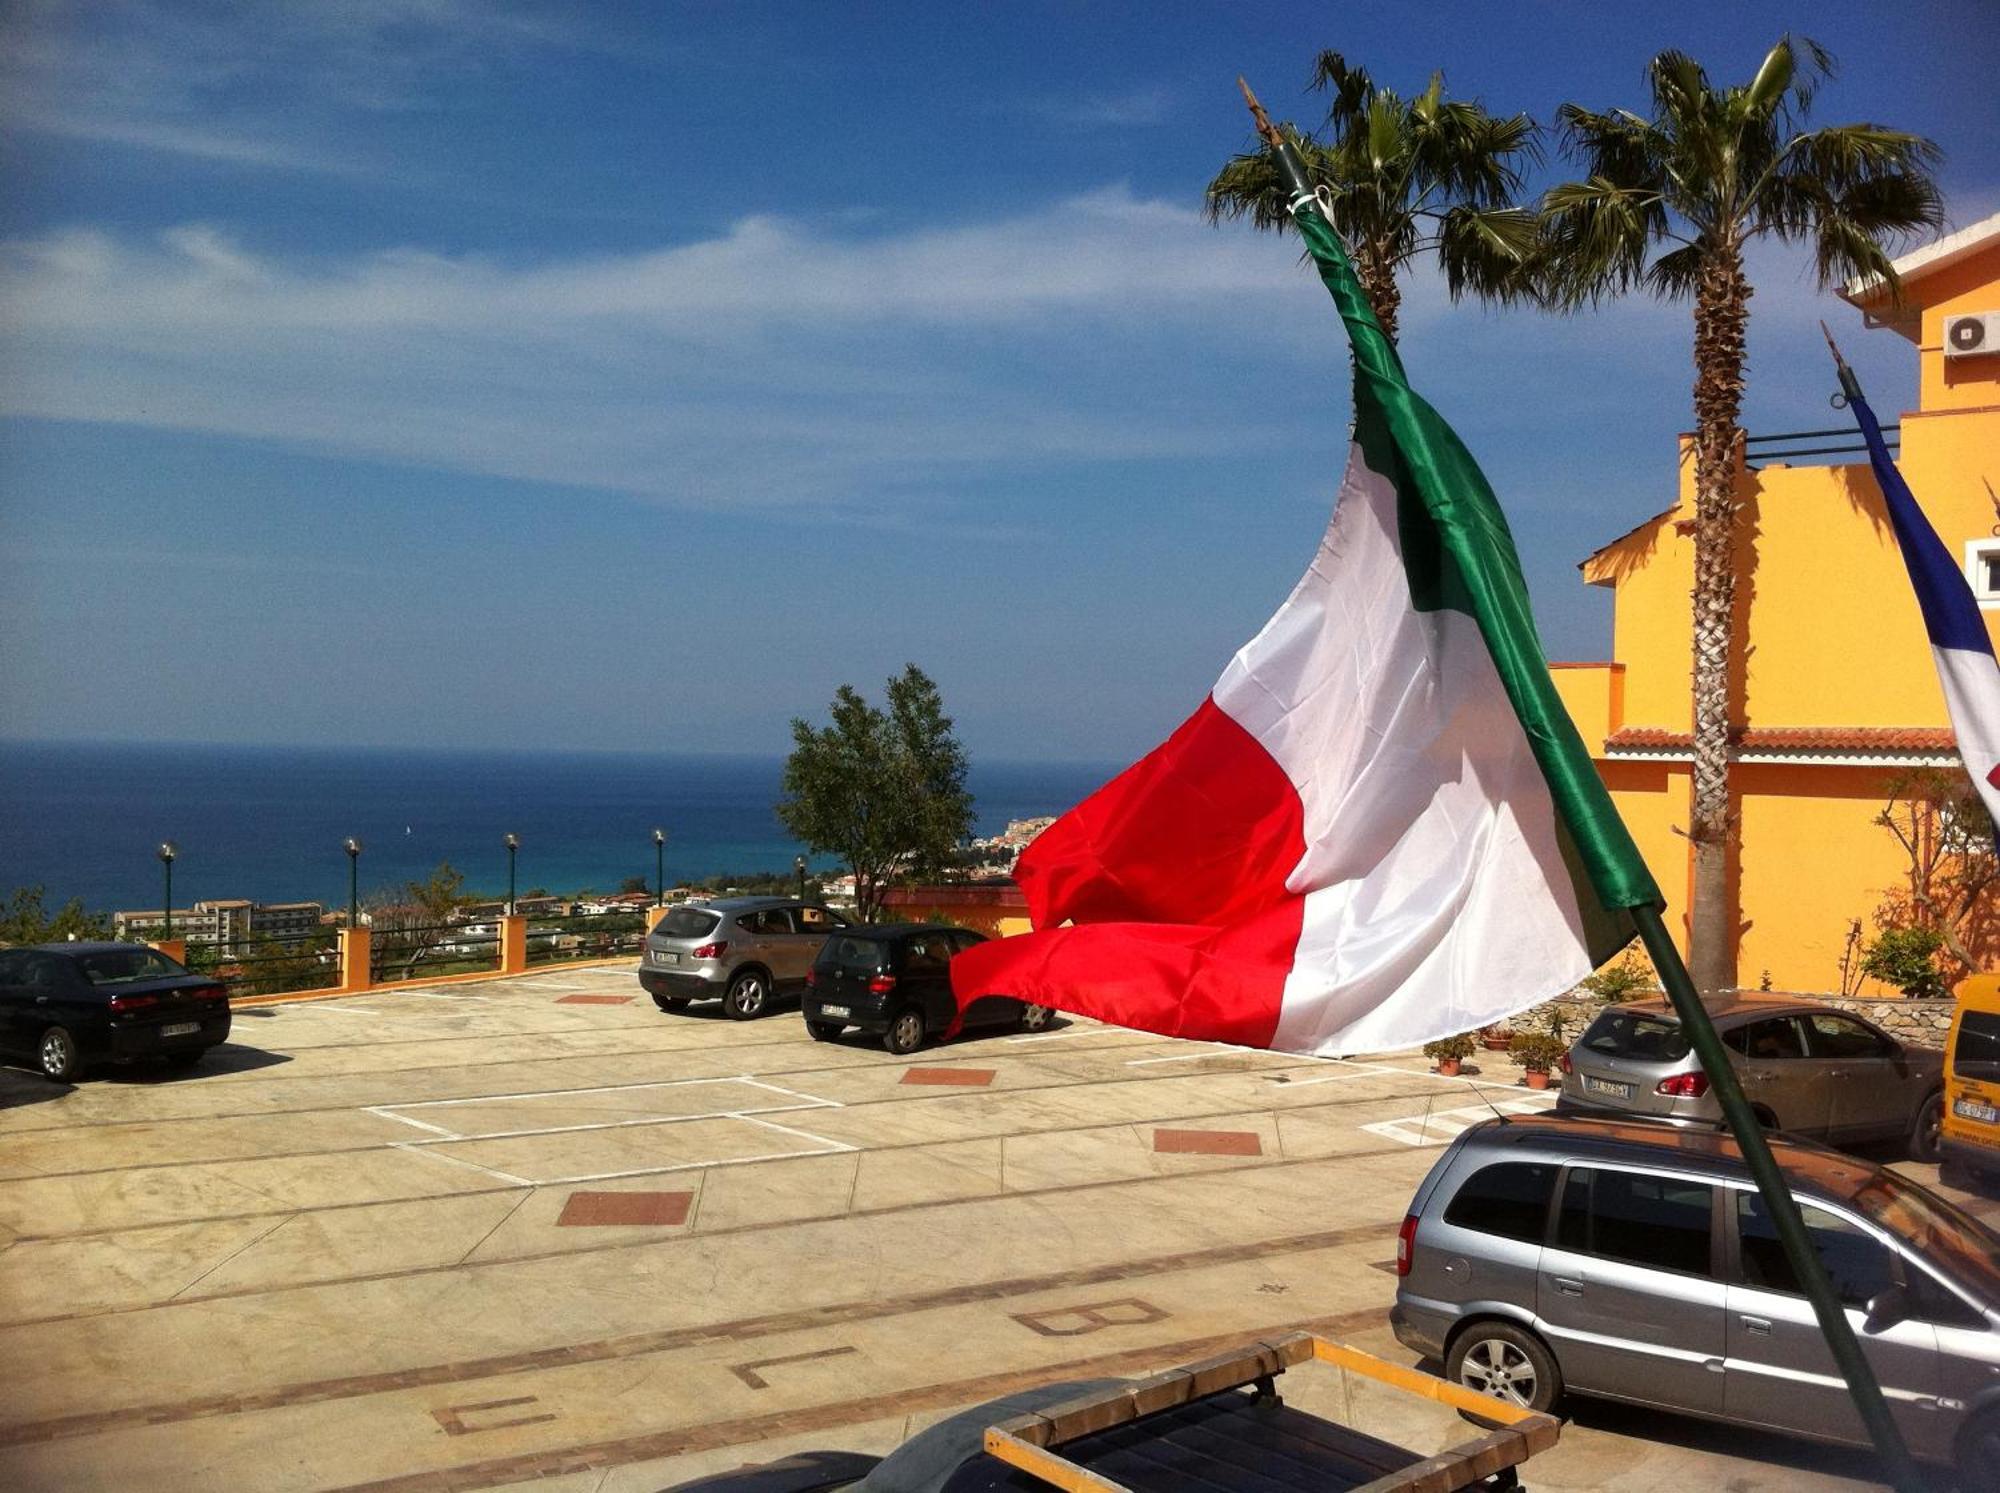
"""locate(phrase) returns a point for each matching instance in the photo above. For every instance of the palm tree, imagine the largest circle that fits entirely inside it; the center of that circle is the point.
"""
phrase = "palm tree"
(1669, 204)
(1404, 177)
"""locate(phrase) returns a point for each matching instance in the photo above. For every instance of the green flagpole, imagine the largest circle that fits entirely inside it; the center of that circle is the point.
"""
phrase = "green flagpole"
(1708, 1049)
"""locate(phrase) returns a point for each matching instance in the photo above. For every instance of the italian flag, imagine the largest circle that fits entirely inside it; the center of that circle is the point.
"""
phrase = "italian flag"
(1381, 826)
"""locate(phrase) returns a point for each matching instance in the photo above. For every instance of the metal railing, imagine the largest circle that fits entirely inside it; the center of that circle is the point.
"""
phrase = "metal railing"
(269, 964)
(1760, 449)
(598, 935)
(420, 951)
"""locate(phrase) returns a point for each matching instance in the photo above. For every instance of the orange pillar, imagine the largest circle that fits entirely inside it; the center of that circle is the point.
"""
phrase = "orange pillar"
(354, 973)
(654, 914)
(513, 944)
(175, 949)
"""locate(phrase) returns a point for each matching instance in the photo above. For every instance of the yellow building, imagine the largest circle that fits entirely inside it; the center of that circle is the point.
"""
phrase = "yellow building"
(1833, 687)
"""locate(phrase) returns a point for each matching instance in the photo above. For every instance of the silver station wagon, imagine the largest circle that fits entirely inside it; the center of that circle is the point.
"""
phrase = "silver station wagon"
(1635, 1261)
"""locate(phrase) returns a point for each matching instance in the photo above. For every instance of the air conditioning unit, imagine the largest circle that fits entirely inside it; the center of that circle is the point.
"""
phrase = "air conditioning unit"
(1974, 336)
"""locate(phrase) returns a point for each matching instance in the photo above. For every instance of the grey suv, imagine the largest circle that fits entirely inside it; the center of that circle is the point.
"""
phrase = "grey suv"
(742, 950)
(1807, 1068)
(1635, 1261)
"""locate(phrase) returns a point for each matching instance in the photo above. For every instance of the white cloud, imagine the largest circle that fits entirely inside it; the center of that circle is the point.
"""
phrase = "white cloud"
(772, 364)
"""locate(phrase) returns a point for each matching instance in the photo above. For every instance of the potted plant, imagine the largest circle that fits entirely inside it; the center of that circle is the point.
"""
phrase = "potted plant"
(1498, 1037)
(1537, 1053)
(1449, 1052)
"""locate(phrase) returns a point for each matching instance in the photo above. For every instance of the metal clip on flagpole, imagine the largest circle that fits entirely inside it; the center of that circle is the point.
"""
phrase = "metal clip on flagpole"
(1763, 1166)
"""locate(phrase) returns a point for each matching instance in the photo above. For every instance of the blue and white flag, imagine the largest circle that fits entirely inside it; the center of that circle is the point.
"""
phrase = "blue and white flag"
(1959, 642)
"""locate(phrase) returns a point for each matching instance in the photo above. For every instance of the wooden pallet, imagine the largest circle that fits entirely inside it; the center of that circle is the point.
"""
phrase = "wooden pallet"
(1244, 1442)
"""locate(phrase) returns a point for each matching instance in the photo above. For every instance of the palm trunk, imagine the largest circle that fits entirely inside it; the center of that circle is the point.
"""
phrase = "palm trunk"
(1377, 275)
(1721, 314)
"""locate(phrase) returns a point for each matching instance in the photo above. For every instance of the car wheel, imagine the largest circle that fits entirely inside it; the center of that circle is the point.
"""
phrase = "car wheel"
(1506, 1362)
(906, 1032)
(60, 1059)
(670, 1002)
(824, 1031)
(747, 994)
(1033, 1017)
(1978, 1453)
(1928, 1130)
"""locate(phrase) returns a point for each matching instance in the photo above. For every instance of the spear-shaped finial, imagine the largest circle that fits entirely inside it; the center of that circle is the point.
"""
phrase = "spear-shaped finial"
(1849, 384)
(1288, 158)
(1264, 126)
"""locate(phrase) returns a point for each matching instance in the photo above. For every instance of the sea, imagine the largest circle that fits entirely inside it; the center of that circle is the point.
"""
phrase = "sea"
(84, 820)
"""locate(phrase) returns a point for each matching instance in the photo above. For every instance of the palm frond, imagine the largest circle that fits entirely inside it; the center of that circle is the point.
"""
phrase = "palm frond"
(1490, 252)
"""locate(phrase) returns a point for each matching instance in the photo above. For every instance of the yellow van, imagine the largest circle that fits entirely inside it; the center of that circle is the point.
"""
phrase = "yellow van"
(1972, 1078)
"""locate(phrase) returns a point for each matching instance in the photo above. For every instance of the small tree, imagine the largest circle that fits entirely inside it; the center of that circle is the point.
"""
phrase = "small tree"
(1907, 959)
(635, 884)
(406, 923)
(1939, 820)
(883, 790)
(24, 920)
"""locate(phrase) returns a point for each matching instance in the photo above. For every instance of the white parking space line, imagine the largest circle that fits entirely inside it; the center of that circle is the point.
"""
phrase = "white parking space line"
(1299, 1083)
(1436, 1127)
(808, 1100)
(508, 1177)
(1215, 1050)
(382, 1112)
(832, 1146)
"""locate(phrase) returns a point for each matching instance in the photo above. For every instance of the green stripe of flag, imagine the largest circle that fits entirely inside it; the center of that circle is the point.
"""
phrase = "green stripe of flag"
(1462, 556)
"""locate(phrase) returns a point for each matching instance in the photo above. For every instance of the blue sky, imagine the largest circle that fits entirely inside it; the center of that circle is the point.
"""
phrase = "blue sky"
(481, 373)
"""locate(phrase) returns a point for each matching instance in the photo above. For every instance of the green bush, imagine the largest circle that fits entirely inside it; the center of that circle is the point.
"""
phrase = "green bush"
(1618, 982)
(1907, 959)
(1453, 1048)
(1538, 1052)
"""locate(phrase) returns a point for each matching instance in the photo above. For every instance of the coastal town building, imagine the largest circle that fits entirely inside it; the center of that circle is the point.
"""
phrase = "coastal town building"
(1833, 688)
(225, 923)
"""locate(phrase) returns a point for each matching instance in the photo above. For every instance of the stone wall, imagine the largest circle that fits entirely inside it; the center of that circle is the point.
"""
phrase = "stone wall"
(1920, 1022)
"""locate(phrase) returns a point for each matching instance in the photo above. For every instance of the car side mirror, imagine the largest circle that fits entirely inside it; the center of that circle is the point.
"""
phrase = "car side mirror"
(1886, 1309)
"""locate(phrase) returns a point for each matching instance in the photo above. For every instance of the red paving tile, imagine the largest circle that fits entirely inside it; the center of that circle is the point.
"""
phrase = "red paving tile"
(1209, 1142)
(976, 1078)
(600, 1209)
(594, 1000)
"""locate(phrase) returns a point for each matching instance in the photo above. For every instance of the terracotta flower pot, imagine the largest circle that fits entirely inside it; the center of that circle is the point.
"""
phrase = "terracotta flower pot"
(1496, 1041)
(1538, 1078)
(1448, 1067)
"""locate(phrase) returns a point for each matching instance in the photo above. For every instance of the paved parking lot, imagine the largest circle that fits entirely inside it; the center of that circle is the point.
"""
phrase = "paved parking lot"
(533, 1231)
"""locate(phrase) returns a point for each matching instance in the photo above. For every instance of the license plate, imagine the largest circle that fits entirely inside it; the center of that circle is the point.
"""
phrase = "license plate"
(835, 1011)
(1972, 1109)
(181, 1029)
(1606, 1087)
(661, 956)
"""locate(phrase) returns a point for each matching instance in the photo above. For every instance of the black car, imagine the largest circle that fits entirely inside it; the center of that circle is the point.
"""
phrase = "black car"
(67, 1005)
(894, 979)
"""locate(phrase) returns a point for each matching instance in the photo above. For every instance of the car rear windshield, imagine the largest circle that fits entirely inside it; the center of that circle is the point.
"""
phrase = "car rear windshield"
(1976, 1052)
(687, 922)
(861, 956)
(1630, 1034)
(126, 966)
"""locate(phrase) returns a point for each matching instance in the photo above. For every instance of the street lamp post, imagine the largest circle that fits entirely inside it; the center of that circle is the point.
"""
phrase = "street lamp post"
(659, 868)
(166, 854)
(799, 865)
(513, 844)
(353, 849)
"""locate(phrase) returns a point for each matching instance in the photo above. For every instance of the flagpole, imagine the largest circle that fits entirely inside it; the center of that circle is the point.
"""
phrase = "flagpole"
(1784, 1208)
(1743, 1124)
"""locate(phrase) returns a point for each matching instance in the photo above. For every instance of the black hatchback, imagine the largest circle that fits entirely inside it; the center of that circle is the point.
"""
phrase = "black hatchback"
(65, 1006)
(894, 979)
